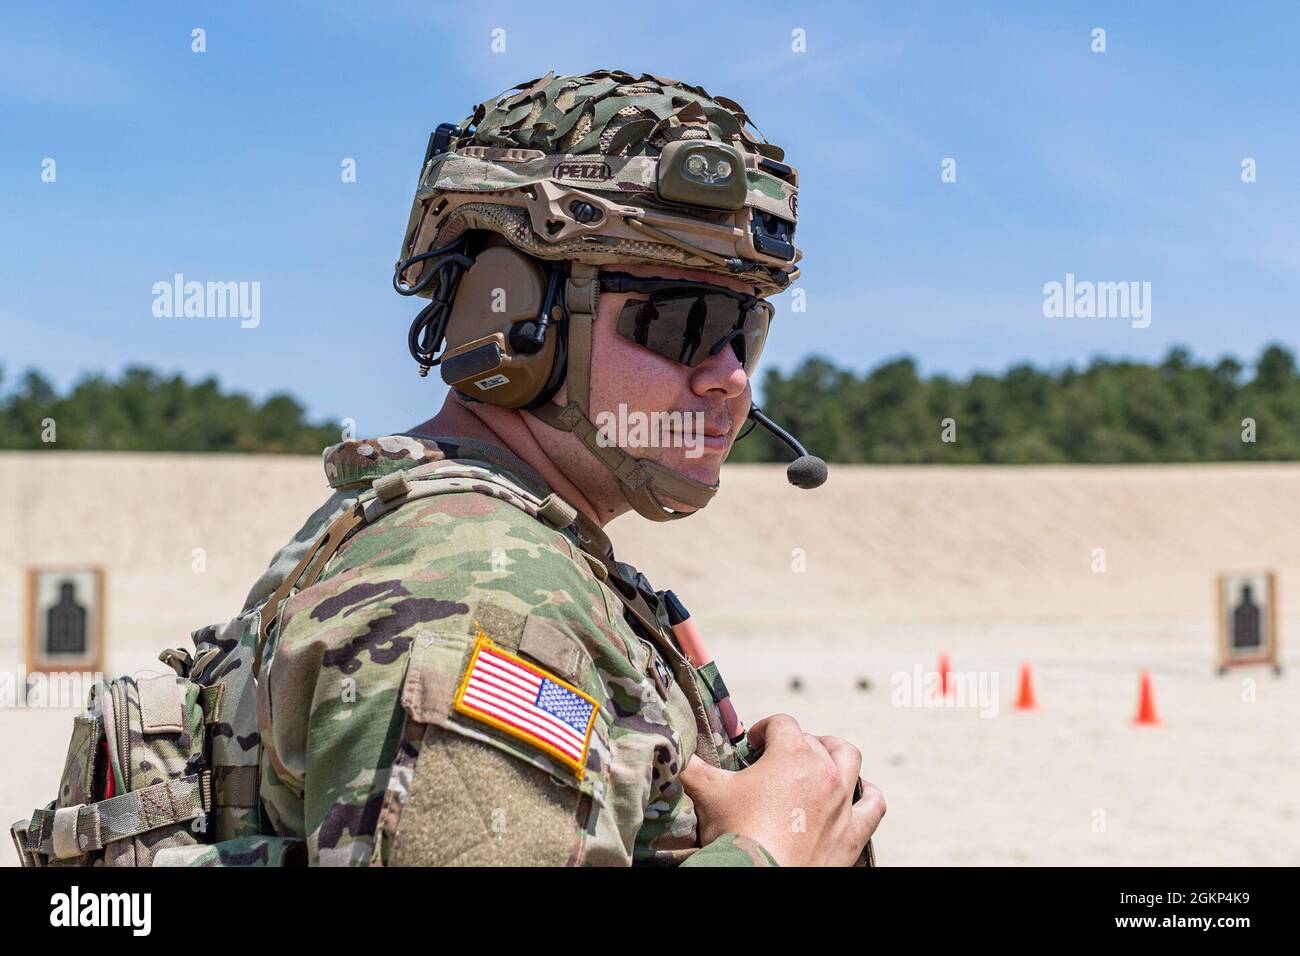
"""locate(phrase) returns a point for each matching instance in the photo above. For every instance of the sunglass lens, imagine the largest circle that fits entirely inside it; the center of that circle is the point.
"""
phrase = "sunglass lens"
(688, 328)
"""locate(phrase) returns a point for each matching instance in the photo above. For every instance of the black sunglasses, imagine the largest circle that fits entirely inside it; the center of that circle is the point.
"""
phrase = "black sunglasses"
(688, 321)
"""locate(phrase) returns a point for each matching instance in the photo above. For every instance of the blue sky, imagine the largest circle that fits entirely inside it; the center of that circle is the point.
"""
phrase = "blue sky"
(225, 165)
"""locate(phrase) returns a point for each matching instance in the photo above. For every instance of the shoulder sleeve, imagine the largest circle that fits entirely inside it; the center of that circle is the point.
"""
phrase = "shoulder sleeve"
(374, 750)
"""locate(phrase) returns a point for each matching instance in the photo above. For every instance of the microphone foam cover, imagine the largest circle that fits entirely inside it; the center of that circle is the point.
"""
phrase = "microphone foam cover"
(807, 471)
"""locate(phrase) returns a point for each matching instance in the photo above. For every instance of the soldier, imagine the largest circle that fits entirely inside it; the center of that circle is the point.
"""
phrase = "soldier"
(457, 670)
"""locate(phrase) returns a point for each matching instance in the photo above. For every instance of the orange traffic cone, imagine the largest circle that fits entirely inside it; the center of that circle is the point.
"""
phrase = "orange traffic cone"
(1146, 714)
(945, 669)
(1025, 700)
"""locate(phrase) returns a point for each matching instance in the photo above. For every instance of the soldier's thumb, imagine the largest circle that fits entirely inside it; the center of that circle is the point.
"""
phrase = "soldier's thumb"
(701, 780)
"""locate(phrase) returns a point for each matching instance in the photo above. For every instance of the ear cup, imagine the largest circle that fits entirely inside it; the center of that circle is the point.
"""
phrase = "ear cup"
(492, 352)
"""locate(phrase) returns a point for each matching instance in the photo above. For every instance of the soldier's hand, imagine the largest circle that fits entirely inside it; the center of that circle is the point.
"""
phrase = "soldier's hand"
(796, 800)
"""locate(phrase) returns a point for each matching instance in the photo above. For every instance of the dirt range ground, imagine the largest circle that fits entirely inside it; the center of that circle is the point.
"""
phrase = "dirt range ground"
(866, 580)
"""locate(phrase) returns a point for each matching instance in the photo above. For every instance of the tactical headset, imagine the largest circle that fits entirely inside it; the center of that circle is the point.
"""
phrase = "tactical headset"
(506, 345)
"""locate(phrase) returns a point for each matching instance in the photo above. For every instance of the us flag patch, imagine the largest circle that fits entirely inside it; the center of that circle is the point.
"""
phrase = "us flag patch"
(527, 702)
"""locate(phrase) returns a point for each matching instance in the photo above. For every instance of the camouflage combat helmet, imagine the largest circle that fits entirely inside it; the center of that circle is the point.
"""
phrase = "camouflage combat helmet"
(576, 172)
(593, 169)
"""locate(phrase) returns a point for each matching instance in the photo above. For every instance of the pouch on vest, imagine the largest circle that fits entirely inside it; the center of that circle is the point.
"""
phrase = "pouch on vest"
(135, 781)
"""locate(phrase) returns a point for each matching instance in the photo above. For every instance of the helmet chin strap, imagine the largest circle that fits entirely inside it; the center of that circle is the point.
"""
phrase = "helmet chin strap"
(642, 481)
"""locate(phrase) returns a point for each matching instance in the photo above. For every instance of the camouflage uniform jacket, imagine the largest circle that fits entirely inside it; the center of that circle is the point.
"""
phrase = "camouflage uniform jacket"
(369, 752)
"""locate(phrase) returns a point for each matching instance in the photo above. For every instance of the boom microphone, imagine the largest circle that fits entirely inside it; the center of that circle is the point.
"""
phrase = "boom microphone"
(806, 471)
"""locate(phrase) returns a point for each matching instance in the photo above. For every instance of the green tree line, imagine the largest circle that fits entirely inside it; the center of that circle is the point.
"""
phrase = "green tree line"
(1179, 410)
(1110, 411)
(145, 411)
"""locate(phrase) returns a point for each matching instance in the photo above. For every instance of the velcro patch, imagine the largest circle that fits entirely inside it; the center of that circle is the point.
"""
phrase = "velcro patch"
(527, 702)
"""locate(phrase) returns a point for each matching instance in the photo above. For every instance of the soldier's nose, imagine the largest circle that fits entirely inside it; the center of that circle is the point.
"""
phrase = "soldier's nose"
(721, 371)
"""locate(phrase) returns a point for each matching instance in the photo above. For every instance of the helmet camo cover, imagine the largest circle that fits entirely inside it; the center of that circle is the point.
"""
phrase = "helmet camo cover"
(609, 167)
